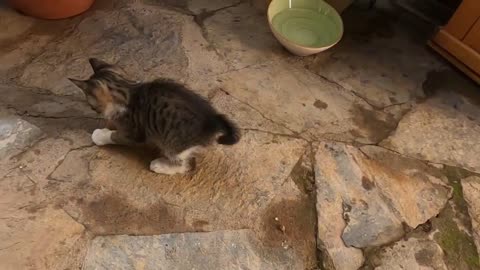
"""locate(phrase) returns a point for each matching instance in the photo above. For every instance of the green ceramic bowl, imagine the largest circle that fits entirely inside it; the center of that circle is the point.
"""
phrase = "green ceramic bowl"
(305, 27)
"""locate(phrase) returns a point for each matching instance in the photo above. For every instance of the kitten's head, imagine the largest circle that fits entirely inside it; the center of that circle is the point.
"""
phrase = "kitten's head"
(107, 90)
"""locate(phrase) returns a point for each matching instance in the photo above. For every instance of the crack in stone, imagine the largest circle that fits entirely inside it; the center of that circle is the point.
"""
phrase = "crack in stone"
(77, 220)
(424, 161)
(409, 232)
(26, 114)
(9, 246)
(351, 91)
(394, 104)
(181, 9)
(33, 93)
(19, 155)
(376, 107)
(394, 129)
(309, 154)
(205, 14)
(261, 113)
(400, 154)
(320, 256)
(136, 24)
(199, 19)
(393, 151)
(407, 229)
(274, 133)
(254, 66)
(49, 176)
(18, 71)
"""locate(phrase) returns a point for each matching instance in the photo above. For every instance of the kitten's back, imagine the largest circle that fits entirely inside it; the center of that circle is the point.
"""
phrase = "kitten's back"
(178, 118)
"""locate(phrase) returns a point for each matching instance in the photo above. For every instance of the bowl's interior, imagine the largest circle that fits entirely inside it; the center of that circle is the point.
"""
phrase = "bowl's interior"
(308, 23)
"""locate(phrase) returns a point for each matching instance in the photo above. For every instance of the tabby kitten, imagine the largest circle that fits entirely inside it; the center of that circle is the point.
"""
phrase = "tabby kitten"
(161, 112)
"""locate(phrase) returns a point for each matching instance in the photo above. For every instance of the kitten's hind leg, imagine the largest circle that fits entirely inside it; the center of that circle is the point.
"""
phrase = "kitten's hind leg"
(165, 166)
(180, 163)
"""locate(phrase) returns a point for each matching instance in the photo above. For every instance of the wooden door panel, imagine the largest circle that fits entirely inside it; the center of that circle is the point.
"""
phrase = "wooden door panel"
(473, 37)
(463, 19)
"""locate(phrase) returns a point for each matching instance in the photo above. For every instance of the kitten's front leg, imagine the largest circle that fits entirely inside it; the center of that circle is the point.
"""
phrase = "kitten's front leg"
(106, 136)
(119, 137)
(102, 136)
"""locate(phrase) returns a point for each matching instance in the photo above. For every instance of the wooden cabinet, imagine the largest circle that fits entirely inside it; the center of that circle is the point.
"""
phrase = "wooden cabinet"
(459, 40)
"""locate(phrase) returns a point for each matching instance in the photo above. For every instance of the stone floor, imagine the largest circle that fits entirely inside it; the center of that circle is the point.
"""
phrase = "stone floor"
(364, 156)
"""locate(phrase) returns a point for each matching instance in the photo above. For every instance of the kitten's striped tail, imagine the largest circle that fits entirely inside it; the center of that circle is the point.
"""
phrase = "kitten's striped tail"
(231, 134)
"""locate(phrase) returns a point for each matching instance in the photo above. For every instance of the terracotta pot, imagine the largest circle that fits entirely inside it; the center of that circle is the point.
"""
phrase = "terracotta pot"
(51, 9)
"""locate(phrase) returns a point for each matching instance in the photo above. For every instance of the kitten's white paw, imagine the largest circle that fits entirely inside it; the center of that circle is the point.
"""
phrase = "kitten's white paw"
(160, 166)
(102, 136)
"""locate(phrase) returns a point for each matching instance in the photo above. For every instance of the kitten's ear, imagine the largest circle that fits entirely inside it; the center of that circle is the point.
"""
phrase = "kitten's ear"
(80, 84)
(97, 64)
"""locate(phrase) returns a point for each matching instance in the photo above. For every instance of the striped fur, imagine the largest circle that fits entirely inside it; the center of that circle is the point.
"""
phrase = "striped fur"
(161, 112)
